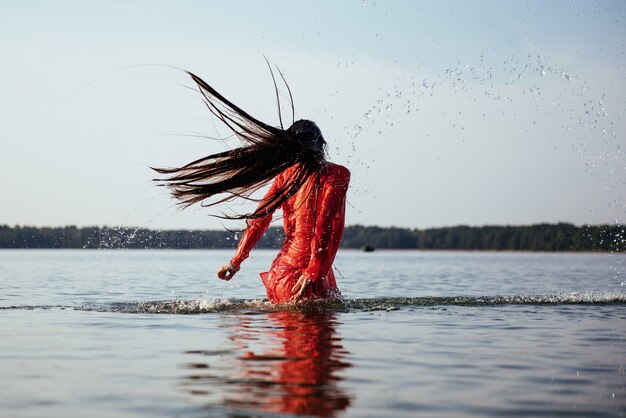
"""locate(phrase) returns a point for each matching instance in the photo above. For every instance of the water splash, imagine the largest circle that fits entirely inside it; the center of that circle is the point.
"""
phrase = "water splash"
(202, 305)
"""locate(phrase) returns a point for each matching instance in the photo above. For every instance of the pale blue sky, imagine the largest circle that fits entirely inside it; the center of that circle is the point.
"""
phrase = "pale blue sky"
(446, 112)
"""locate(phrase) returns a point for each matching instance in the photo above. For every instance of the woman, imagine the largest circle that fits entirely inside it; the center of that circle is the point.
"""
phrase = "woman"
(310, 190)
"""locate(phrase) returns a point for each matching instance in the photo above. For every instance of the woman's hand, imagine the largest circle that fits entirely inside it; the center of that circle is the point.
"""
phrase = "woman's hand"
(299, 288)
(227, 272)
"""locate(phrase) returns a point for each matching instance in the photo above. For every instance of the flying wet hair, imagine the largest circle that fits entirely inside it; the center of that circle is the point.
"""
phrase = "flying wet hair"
(266, 151)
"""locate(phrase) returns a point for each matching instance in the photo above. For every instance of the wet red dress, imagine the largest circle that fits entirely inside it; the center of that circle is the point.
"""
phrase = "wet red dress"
(313, 219)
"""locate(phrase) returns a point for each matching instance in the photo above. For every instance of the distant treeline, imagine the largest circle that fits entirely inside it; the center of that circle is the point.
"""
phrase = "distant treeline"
(542, 237)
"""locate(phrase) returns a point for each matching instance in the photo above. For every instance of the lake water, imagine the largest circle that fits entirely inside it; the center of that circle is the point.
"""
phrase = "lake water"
(153, 333)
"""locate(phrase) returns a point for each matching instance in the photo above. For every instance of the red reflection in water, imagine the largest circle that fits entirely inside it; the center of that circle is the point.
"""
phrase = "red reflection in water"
(287, 362)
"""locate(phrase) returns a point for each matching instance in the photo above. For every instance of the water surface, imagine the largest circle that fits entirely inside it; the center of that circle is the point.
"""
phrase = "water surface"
(137, 333)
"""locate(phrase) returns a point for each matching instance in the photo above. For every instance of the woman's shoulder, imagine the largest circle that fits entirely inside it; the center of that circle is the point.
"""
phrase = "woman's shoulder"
(286, 173)
(337, 173)
(337, 169)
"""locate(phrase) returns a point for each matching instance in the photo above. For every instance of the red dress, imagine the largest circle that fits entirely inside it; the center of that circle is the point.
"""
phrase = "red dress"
(313, 219)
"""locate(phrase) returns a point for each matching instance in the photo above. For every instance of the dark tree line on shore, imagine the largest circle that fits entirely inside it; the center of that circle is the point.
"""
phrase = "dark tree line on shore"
(541, 237)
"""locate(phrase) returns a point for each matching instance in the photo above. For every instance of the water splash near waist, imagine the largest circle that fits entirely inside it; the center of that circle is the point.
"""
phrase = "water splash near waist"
(202, 305)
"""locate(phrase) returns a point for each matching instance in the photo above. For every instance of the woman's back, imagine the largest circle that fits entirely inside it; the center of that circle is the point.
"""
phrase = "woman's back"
(301, 211)
(313, 219)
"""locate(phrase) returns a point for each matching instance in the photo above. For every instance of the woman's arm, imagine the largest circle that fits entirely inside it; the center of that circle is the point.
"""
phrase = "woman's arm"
(254, 231)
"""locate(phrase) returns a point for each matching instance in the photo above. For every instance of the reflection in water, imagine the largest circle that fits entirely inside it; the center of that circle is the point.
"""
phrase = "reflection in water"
(287, 362)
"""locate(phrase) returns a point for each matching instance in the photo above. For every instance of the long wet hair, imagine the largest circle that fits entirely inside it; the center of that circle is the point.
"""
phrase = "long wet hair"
(266, 151)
